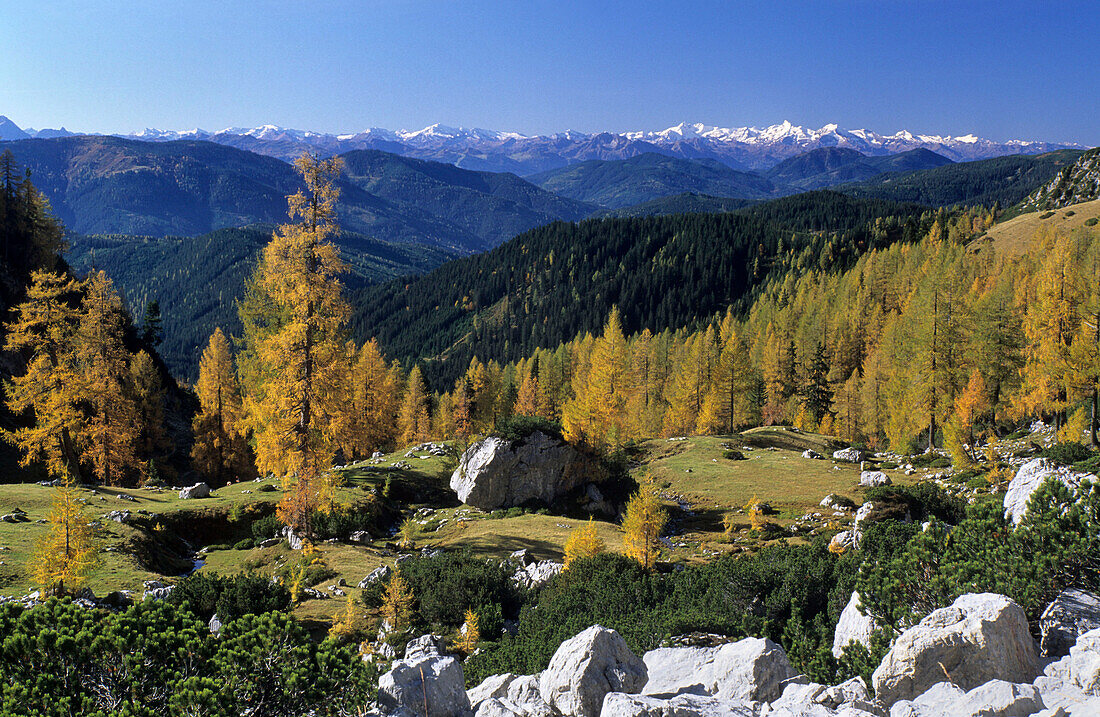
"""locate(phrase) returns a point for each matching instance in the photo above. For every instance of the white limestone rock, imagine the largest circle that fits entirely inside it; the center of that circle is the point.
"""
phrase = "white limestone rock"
(853, 626)
(588, 666)
(996, 698)
(1028, 478)
(870, 479)
(979, 638)
(618, 704)
(749, 669)
(432, 679)
(497, 473)
(850, 455)
(199, 490)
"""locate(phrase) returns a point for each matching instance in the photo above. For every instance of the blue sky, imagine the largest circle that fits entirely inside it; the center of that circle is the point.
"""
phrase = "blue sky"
(999, 69)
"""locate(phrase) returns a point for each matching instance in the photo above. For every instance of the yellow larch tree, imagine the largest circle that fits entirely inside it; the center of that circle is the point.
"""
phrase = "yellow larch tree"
(414, 421)
(470, 633)
(148, 388)
(43, 330)
(527, 401)
(221, 450)
(397, 603)
(67, 552)
(597, 411)
(297, 365)
(583, 542)
(375, 399)
(645, 519)
(110, 431)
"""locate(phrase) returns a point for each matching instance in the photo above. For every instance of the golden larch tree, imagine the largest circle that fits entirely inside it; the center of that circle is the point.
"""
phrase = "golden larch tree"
(376, 396)
(583, 542)
(67, 552)
(220, 451)
(645, 519)
(414, 420)
(470, 634)
(297, 363)
(397, 603)
(43, 330)
(148, 388)
(110, 431)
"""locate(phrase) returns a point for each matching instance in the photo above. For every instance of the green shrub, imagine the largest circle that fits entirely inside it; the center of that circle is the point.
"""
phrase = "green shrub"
(218, 546)
(267, 527)
(1017, 434)
(977, 483)
(888, 465)
(1071, 213)
(518, 428)
(940, 463)
(1067, 453)
(448, 584)
(266, 488)
(229, 596)
(246, 544)
(1046, 215)
(1091, 222)
(733, 455)
(922, 501)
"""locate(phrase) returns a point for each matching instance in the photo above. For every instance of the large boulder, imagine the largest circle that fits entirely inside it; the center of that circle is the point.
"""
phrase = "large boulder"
(749, 669)
(537, 574)
(1084, 663)
(199, 490)
(853, 626)
(1028, 478)
(588, 666)
(432, 680)
(850, 455)
(497, 473)
(979, 638)
(871, 479)
(993, 699)
(1073, 613)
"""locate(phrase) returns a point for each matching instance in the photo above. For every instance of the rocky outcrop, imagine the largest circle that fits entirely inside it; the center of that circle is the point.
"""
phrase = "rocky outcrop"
(1028, 478)
(537, 574)
(853, 626)
(979, 638)
(199, 490)
(497, 473)
(845, 540)
(587, 667)
(1073, 613)
(430, 685)
(749, 669)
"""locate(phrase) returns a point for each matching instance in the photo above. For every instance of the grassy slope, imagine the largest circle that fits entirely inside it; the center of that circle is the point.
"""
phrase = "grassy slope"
(774, 472)
(1017, 235)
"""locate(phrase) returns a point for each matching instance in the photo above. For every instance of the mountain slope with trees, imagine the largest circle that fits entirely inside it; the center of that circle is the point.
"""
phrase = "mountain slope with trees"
(1079, 182)
(829, 166)
(197, 281)
(1003, 180)
(661, 271)
(620, 183)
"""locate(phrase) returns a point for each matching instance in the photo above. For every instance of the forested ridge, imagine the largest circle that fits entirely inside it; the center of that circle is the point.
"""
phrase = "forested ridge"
(558, 281)
(198, 280)
(1002, 180)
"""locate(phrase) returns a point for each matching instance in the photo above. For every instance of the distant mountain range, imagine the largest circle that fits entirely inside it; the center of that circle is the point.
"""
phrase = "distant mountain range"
(111, 185)
(741, 148)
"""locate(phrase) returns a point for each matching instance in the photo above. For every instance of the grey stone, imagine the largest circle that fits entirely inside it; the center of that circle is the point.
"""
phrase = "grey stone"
(979, 638)
(749, 669)
(849, 455)
(378, 574)
(619, 704)
(199, 490)
(497, 473)
(1028, 478)
(1073, 613)
(430, 680)
(853, 626)
(588, 666)
(870, 479)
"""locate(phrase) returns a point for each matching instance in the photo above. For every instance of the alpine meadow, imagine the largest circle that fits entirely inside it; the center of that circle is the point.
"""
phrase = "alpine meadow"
(632, 420)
